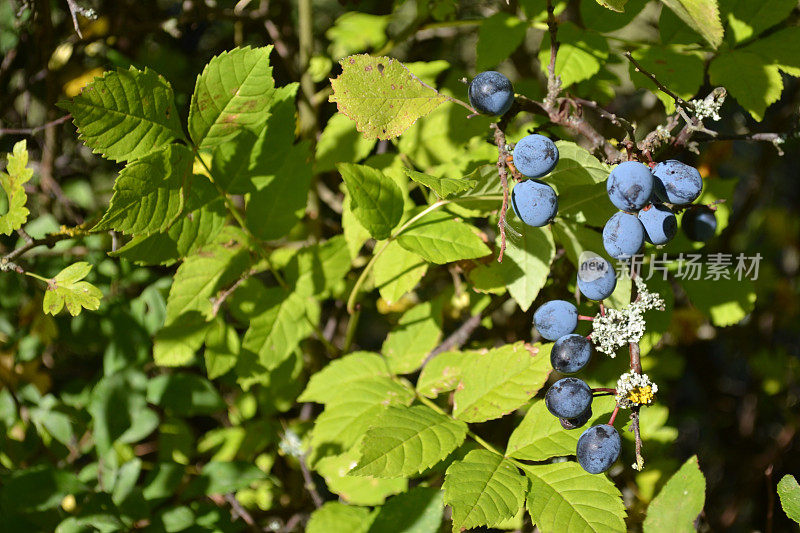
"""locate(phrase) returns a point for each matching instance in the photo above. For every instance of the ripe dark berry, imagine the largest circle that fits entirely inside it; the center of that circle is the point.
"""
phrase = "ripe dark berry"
(570, 353)
(575, 423)
(534, 202)
(535, 156)
(699, 223)
(623, 235)
(677, 183)
(491, 93)
(660, 224)
(630, 185)
(568, 398)
(598, 448)
(596, 278)
(555, 319)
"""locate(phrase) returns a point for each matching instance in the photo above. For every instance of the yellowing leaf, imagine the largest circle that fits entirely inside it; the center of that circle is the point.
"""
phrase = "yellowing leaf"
(381, 95)
(701, 15)
(68, 289)
(12, 180)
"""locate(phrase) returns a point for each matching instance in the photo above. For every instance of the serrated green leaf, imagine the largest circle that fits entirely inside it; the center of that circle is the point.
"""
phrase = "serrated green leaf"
(418, 332)
(397, 271)
(440, 239)
(500, 381)
(233, 93)
(324, 386)
(576, 166)
(150, 193)
(126, 114)
(317, 269)
(748, 19)
(483, 489)
(176, 343)
(580, 53)
(381, 95)
(614, 5)
(789, 492)
(347, 417)
(754, 82)
(12, 181)
(781, 48)
(443, 187)
(340, 142)
(681, 71)
(701, 15)
(490, 49)
(680, 502)
(67, 289)
(375, 199)
(335, 517)
(540, 435)
(222, 348)
(416, 511)
(443, 373)
(356, 490)
(526, 262)
(564, 498)
(274, 334)
(408, 440)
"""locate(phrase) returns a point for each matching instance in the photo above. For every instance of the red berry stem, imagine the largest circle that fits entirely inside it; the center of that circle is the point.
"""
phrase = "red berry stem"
(613, 415)
(584, 317)
(601, 389)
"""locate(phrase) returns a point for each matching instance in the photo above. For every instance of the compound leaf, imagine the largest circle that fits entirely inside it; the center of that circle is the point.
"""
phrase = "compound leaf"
(408, 440)
(381, 95)
(67, 289)
(564, 498)
(12, 181)
(500, 381)
(483, 489)
(233, 93)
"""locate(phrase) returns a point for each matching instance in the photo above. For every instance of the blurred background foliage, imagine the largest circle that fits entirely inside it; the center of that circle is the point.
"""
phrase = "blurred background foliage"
(72, 389)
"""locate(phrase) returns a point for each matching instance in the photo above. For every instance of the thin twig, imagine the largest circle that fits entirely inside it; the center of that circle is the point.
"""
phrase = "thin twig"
(74, 9)
(502, 170)
(310, 486)
(36, 129)
(238, 511)
(663, 88)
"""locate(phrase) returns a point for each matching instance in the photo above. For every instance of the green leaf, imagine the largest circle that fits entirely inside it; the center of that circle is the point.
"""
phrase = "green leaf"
(748, 19)
(443, 187)
(789, 492)
(184, 394)
(440, 239)
(564, 498)
(340, 142)
(754, 83)
(614, 5)
(356, 32)
(526, 263)
(575, 166)
(223, 478)
(483, 489)
(38, 488)
(680, 502)
(682, 72)
(234, 93)
(500, 381)
(725, 301)
(324, 386)
(150, 193)
(68, 289)
(580, 53)
(701, 15)
(418, 332)
(317, 269)
(443, 373)
(126, 114)
(375, 199)
(354, 233)
(408, 440)
(176, 343)
(274, 334)
(381, 95)
(492, 50)
(397, 271)
(12, 181)
(355, 409)
(416, 511)
(781, 48)
(335, 517)
(540, 435)
(356, 490)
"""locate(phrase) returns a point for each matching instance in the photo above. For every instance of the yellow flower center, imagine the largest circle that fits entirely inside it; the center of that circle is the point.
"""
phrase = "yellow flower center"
(641, 395)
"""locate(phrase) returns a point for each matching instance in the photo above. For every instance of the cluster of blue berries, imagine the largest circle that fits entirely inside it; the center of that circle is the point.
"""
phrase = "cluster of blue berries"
(647, 200)
(535, 156)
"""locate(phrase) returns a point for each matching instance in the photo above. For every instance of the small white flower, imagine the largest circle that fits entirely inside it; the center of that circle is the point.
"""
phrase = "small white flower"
(622, 326)
(635, 389)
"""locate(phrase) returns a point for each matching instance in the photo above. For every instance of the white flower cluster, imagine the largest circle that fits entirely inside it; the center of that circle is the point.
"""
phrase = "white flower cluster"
(291, 444)
(622, 326)
(662, 133)
(635, 389)
(709, 107)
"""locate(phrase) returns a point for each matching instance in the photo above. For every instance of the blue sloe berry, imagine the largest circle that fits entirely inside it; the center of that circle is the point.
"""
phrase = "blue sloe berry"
(491, 93)
(623, 235)
(598, 448)
(568, 398)
(578, 421)
(570, 353)
(596, 278)
(699, 223)
(630, 185)
(535, 155)
(555, 319)
(660, 224)
(534, 202)
(677, 183)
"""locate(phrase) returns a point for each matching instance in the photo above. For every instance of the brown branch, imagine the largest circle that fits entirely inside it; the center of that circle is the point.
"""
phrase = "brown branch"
(553, 81)
(310, 486)
(34, 130)
(238, 511)
(48, 241)
(680, 102)
(74, 9)
(502, 170)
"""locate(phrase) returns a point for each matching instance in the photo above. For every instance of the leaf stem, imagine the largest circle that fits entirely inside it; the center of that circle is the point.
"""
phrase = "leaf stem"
(472, 435)
(37, 276)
